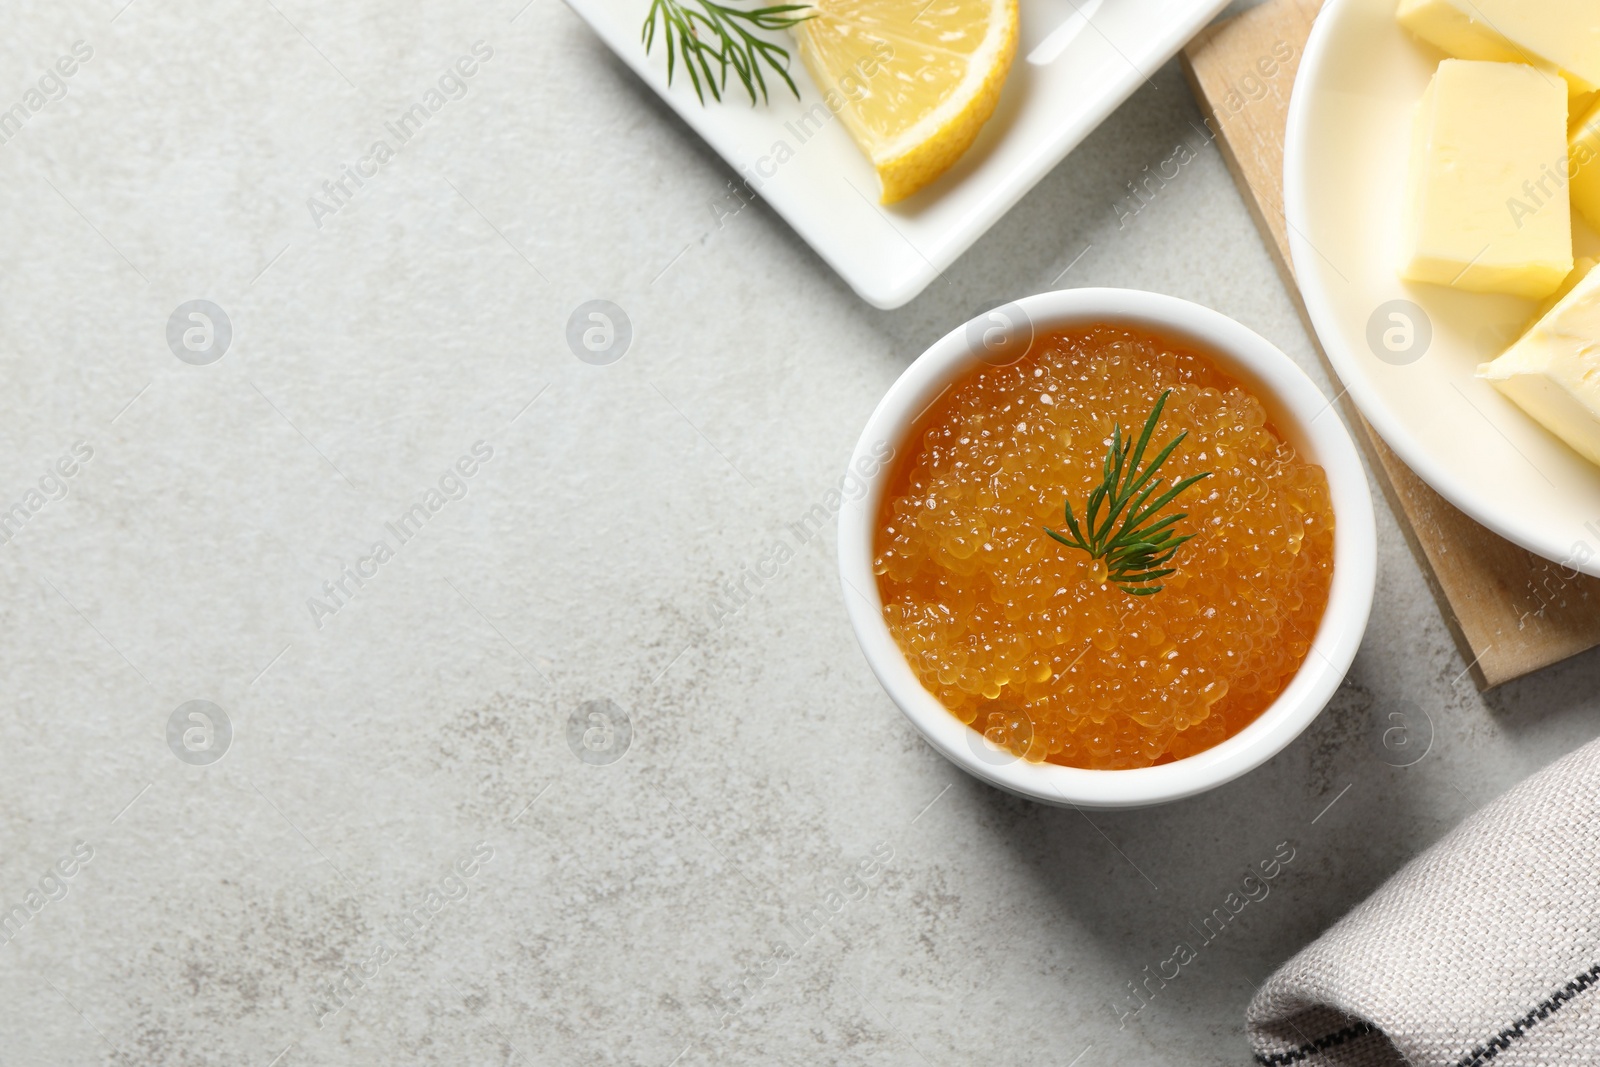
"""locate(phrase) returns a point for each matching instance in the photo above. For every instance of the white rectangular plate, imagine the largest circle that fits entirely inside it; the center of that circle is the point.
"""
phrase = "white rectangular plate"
(1076, 61)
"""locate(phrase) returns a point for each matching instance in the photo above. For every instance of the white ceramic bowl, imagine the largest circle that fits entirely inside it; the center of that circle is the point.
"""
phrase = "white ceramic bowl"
(1297, 408)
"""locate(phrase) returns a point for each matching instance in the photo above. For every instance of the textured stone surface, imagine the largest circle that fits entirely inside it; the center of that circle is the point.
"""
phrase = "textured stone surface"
(673, 905)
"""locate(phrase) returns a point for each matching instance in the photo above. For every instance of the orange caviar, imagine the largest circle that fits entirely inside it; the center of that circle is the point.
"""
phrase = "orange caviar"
(1021, 637)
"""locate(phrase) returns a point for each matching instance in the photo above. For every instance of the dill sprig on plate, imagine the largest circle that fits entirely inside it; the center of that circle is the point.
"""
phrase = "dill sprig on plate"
(714, 38)
(1134, 548)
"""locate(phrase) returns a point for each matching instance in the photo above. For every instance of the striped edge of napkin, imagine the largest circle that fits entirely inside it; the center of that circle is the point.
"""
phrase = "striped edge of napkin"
(1484, 949)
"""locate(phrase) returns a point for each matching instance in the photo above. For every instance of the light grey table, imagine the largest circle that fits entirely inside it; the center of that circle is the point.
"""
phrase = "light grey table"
(398, 857)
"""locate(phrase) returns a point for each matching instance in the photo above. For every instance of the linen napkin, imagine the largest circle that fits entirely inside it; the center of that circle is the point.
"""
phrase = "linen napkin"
(1484, 949)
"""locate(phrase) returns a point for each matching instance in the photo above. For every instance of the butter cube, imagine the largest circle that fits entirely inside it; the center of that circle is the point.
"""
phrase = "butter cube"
(1584, 149)
(1559, 36)
(1553, 371)
(1580, 270)
(1486, 203)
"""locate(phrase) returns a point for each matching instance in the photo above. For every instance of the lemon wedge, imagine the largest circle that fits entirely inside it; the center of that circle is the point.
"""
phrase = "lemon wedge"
(913, 80)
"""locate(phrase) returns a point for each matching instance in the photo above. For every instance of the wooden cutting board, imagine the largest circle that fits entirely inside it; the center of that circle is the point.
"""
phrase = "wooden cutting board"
(1511, 612)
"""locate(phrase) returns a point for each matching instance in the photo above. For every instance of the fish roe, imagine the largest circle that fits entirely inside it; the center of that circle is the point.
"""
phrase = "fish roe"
(1025, 639)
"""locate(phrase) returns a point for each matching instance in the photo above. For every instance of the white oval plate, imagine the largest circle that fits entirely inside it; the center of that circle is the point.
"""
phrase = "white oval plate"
(1345, 162)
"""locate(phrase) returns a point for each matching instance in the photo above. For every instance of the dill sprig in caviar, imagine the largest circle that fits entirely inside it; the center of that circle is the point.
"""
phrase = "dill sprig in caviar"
(1132, 542)
(714, 38)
